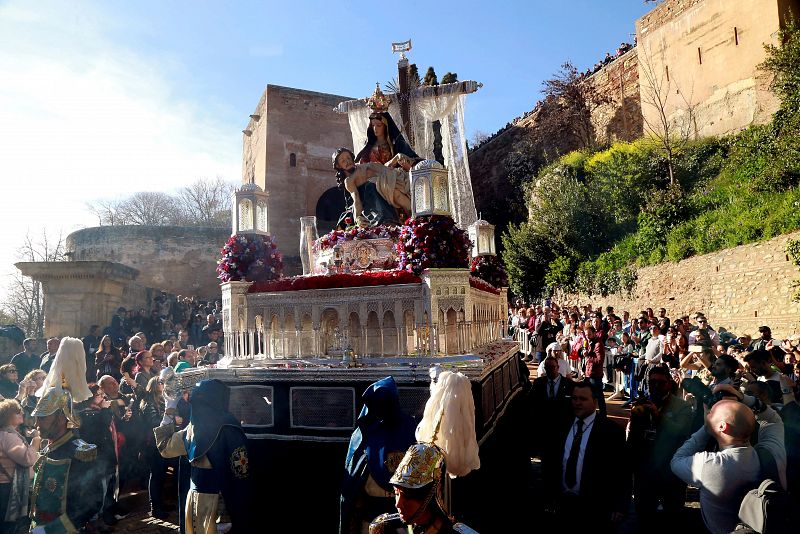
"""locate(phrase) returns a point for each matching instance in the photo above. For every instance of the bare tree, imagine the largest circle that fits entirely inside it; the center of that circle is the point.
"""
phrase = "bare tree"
(573, 99)
(109, 212)
(207, 202)
(24, 303)
(478, 138)
(670, 130)
(152, 208)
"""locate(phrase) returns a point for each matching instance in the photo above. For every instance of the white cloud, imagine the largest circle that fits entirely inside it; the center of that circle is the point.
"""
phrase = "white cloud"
(82, 118)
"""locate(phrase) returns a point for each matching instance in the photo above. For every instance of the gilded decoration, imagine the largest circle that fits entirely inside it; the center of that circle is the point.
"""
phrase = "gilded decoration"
(239, 462)
(421, 465)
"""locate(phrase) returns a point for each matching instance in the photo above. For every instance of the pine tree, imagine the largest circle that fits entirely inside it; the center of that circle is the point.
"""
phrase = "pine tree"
(430, 77)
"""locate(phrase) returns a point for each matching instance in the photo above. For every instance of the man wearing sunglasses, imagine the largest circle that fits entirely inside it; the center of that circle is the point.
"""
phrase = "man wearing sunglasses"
(702, 324)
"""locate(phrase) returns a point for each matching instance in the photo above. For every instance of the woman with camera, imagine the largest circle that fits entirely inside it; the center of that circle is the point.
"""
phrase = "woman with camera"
(16, 459)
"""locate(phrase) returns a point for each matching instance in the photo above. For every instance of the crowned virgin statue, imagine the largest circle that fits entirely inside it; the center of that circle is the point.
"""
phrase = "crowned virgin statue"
(377, 177)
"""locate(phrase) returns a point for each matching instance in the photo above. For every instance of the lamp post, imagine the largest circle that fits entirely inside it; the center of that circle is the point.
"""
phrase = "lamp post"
(249, 214)
(481, 233)
(429, 189)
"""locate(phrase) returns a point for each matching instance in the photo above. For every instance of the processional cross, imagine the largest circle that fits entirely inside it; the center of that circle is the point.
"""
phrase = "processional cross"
(406, 94)
(432, 103)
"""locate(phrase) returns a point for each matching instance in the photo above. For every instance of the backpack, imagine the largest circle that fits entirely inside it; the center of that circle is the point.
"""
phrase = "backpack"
(766, 509)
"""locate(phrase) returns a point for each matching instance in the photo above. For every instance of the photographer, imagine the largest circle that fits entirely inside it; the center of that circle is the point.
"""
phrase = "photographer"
(659, 424)
(726, 475)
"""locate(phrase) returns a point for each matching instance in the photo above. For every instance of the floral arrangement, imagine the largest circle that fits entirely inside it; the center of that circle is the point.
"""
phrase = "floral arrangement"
(330, 281)
(483, 285)
(355, 233)
(253, 258)
(489, 269)
(432, 241)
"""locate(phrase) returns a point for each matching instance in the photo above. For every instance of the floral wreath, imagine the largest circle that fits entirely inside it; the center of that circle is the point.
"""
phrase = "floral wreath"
(432, 242)
(254, 258)
(489, 269)
(354, 233)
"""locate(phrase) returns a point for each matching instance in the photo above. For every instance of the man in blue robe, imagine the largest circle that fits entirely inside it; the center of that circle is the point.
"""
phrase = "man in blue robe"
(382, 435)
(215, 445)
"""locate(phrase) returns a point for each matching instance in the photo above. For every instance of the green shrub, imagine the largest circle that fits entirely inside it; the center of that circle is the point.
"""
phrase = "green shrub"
(614, 209)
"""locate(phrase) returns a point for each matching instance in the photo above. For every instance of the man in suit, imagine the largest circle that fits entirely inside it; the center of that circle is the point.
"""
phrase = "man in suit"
(550, 395)
(577, 470)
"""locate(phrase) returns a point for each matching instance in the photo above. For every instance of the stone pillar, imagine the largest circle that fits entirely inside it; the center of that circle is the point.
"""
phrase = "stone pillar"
(78, 294)
(235, 316)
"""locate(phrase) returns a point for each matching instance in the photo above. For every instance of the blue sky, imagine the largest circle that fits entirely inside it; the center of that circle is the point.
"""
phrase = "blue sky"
(101, 99)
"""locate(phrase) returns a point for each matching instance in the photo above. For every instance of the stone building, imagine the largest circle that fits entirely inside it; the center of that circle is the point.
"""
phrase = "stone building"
(702, 57)
(287, 147)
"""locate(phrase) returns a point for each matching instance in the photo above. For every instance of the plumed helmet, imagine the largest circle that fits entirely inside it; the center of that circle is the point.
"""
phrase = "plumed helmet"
(56, 399)
(68, 370)
(423, 466)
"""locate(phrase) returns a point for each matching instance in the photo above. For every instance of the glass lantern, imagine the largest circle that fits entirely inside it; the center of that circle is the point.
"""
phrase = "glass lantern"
(429, 189)
(249, 212)
(481, 233)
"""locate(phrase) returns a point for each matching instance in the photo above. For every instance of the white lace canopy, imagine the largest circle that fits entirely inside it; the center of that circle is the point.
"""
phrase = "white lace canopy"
(444, 103)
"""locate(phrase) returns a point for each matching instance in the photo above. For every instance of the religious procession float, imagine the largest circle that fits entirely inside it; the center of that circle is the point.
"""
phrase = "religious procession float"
(407, 285)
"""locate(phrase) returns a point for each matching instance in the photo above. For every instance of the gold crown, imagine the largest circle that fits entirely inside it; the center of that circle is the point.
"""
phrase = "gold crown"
(378, 102)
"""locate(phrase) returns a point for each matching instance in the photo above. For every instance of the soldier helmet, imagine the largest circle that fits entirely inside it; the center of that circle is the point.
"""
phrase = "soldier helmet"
(53, 400)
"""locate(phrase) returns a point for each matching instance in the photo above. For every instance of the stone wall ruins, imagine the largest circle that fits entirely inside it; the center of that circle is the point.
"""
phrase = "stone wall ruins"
(740, 288)
(176, 259)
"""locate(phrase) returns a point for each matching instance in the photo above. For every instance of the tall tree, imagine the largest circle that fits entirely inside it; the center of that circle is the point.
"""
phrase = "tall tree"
(450, 77)
(669, 129)
(430, 77)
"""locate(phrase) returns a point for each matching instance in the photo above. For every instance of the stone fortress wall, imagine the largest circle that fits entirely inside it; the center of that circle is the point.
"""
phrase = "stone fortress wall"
(621, 118)
(176, 259)
(287, 147)
(739, 289)
(704, 57)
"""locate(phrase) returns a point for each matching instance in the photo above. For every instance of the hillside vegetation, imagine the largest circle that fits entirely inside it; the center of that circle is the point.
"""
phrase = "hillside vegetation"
(596, 216)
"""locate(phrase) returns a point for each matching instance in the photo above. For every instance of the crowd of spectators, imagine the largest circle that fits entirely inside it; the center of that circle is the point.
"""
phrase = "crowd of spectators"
(622, 49)
(123, 362)
(708, 408)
